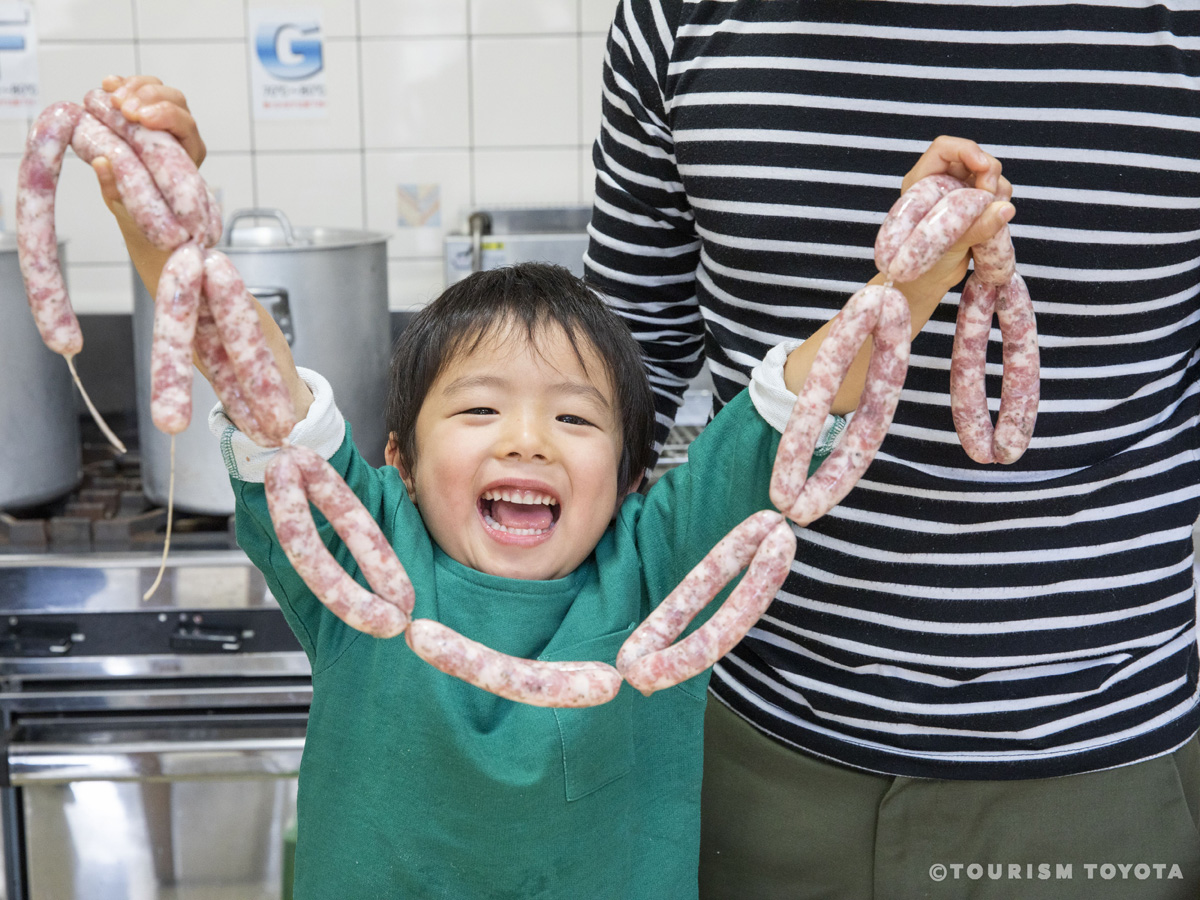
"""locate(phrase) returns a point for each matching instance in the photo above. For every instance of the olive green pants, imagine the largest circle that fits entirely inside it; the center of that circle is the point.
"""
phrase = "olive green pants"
(781, 825)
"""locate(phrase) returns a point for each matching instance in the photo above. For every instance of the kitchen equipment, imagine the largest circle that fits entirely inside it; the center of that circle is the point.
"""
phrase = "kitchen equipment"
(500, 237)
(40, 451)
(327, 290)
(150, 749)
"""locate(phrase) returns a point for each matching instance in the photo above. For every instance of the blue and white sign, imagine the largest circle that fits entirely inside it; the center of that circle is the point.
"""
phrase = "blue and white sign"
(287, 63)
(18, 61)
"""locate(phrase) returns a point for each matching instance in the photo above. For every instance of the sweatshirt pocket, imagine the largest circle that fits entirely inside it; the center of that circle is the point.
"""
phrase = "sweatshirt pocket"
(597, 741)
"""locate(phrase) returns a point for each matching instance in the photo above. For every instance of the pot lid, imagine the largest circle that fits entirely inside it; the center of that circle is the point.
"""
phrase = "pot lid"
(246, 230)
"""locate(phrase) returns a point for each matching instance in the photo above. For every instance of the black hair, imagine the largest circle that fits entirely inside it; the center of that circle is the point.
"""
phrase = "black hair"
(531, 295)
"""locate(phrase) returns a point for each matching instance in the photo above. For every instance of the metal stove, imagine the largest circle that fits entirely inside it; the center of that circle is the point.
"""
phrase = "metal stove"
(150, 746)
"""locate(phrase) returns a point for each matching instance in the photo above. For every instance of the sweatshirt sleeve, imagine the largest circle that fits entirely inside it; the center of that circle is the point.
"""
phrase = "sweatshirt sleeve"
(643, 249)
(725, 479)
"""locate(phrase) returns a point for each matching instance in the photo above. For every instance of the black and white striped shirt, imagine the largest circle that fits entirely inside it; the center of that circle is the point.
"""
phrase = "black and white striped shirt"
(947, 619)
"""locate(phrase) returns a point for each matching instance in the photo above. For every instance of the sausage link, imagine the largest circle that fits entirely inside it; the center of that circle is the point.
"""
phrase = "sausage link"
(913, 205)
(1020, 389)
(995, 261)
(224, 380)
(293, 477)
(138, 191)
(881, 312)
(650, 662)
(535, 682)
(168, 163)
(241, 333)
(37, 241)
(968, 361)
(941, 227)
(176, 308)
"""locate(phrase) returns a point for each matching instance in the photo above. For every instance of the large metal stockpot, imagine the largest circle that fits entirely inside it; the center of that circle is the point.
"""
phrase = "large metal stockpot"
(327, 289)
(40, 451)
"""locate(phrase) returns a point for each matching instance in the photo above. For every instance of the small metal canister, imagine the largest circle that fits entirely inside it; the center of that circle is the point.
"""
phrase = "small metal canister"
(40, 453)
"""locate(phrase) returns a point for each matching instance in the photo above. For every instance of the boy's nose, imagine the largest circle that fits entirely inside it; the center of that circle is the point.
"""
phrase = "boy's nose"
(524, 439)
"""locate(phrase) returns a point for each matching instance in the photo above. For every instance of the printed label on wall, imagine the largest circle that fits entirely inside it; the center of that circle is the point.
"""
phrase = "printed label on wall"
(287, 63)
(18, 61)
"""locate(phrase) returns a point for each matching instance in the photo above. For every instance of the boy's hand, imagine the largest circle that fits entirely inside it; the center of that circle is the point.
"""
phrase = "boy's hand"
(963, 159)
(968, 162)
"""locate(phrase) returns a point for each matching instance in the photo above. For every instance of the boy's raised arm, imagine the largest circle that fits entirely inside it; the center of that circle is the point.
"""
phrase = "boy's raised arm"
(147, 101)
(962, 159)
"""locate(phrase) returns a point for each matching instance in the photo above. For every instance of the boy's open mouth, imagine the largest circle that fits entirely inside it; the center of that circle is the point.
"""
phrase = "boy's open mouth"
(518, 511)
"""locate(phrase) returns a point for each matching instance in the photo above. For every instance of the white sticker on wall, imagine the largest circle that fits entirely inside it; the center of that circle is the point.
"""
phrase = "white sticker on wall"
(418, 205)
(287, 63)
(18, 60)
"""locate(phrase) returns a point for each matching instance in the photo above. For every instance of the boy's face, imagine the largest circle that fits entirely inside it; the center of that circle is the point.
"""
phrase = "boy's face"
(517, 451)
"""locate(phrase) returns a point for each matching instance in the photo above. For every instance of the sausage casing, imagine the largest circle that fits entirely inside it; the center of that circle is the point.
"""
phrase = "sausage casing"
(531, 681)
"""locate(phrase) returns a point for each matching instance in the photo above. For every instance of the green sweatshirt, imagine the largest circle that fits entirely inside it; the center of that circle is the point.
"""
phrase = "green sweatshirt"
(414, 784)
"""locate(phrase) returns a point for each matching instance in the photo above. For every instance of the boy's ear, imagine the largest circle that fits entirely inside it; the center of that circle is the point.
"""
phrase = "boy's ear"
(391, 456)
(637, 483)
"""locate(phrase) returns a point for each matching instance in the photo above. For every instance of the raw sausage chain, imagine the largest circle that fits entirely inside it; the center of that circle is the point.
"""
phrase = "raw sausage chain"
(169, 201)
(201, 305)
(926, 221)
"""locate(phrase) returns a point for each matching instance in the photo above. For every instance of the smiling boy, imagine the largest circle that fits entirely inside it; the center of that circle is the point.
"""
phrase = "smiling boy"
(521, 423)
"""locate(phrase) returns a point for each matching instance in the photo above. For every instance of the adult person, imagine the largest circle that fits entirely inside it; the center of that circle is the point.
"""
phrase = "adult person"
(1000, 699)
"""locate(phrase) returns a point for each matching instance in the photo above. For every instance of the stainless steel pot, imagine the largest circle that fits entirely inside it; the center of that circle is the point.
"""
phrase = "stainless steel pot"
(327, 289)
(40, 453)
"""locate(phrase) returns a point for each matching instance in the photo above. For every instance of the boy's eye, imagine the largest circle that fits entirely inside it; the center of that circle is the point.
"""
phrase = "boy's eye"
(478, 411)
(573, 420)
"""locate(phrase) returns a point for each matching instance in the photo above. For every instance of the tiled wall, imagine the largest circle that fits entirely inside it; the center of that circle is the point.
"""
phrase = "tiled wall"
(493, 102)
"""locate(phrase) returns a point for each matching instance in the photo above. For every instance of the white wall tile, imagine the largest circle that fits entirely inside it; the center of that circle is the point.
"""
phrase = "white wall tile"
(338, 17)
(8, 192)
(68, 71)
(596, 15)
(316, 189)
(189, 21)
(531, 177)
(12, 135)
(214, 78)
(591, 76)
(83, 219)
(587, 176)
(524, 16)
(525, 91)
(402, 18)
(339, 130)
(100, 288)
(89, 20)
(413, 283)
(231, 176)
(448, 171)
(415, 93)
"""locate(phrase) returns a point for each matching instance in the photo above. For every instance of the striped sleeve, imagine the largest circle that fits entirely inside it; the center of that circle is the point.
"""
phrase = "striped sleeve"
(643, 250)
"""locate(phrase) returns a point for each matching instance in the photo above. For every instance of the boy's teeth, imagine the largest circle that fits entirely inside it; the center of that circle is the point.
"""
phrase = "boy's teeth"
(527, 497)
(496, 525)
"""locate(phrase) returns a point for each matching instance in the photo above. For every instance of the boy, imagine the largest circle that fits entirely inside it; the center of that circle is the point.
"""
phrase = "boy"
(520, 425)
